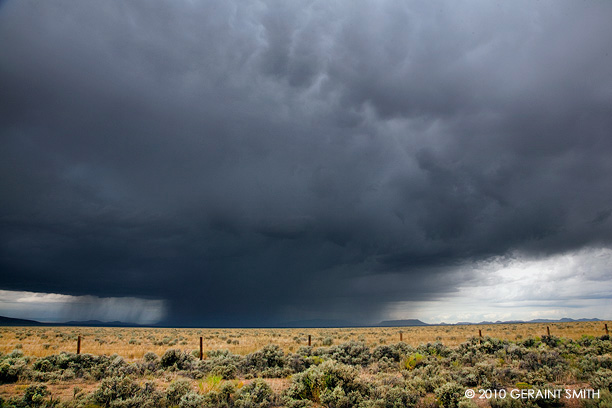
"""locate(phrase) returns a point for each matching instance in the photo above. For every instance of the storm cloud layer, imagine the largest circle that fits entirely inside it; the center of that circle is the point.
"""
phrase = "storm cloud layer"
(252, 162)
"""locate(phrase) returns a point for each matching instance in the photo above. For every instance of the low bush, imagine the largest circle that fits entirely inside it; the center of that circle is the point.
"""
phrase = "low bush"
(602, 379)
(222, 363)
(604, 401)
(393, 396)
(193, 400)
(256, 394)
(267, 362)
(177, 359)
(221, 398)
(352, 353)
(11, 370)
(323, 379)
(34, 395)
(176, 390)
(450, 394)
(124, 392)
(296, 363)
(392, 352)
(412, 361)
(115, 388)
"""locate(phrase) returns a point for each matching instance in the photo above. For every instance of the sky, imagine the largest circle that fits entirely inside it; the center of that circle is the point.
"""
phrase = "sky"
(250, 163)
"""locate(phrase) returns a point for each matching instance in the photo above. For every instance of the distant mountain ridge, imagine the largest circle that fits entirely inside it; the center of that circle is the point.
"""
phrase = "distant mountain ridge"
(10, 321)
(313, 323)
(402, 323)
(563, 320)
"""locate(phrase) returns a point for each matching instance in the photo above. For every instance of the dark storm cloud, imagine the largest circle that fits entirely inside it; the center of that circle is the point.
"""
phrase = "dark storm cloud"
(257, 161)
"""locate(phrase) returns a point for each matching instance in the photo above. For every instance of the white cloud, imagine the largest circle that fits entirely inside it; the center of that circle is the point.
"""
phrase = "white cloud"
(575, 285)
(54, 307)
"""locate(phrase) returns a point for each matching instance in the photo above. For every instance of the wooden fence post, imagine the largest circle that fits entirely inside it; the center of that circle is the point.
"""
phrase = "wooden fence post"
(201, 349)
(79, 345)
(401, 337)
(309, 341)
(606, 327)
(548, 331)
(479, 336)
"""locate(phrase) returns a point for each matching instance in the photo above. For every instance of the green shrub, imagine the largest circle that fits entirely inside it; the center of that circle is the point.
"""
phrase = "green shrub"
(289, 402)
(296, 363)
(312, 383)
(450, 394)
(305, 351)
(508, 375)
(257, 394)
(9, 372)
(535, 360)
(602, 379)
(12, 366)
(604, 401)
(192, 400)
(44, 365)
(507, 402)
(397, 396)
(467, 403)
(529, 342)
(221, 398)
(338, 398)
(434, 349)
(426, 382)
(412, 361)
(176, 390)
(269, 361)
(551, 341)
(351, 353)
(222, 363)
(428, 402)
(225, 371)
(115, 388)
(34, 395)
(387, 351)
(178, 359)
(70, 365)
(516, 351)
(150, 357)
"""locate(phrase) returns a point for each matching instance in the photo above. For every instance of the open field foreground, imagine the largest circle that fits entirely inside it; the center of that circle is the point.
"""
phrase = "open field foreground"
(436, 366)
(133, 343)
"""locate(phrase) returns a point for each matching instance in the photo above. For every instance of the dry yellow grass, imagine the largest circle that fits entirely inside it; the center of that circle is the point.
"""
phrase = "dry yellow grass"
(133, 343)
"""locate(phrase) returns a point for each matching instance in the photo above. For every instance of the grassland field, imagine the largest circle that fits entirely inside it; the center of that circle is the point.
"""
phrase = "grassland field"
(367, 367)
(133, 343)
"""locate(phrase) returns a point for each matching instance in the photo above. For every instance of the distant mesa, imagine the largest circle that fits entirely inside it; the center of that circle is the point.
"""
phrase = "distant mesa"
(402, 323)
(9, 321)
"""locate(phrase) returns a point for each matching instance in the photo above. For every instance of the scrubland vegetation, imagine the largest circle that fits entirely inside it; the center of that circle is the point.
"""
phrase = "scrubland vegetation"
(133, 343)
(359, 372)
